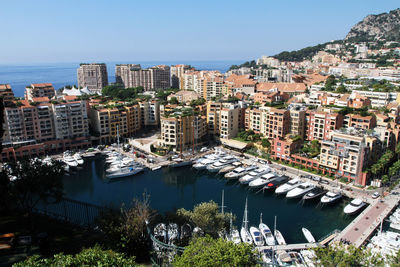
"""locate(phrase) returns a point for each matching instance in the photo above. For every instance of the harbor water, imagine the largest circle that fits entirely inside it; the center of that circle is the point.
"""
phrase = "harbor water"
(184, 187)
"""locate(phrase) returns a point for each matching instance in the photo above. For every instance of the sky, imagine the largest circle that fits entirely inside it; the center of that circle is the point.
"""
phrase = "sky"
(48, 31)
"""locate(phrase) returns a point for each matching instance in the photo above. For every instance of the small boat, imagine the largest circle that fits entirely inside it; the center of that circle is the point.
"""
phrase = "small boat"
(197, 231)
(235, 237)
(299, 191)
(216, 166)
(314, 193)
(259, 182)
(331, 197)
(354, 206)
(266, 232)
(125, 172)
(160, 232)
(277, 181)
(279, 238)
(156, 168)
(257, 237)
(283, 189)
(266, 256)
(70, 161)
(202, 164)
(173, 232)
(254, 175)
(307, 234)
(239, 172)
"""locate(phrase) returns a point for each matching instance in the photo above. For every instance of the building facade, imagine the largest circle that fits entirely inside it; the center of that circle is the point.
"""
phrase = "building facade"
(93, 76)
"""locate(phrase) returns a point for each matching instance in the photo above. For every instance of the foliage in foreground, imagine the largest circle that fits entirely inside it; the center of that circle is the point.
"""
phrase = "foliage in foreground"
(206, 251)
(87, 257)
(341, 256)
(207, 216)
(126, 228)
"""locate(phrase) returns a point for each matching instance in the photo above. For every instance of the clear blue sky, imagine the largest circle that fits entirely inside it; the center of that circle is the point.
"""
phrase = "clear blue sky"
(43, 31)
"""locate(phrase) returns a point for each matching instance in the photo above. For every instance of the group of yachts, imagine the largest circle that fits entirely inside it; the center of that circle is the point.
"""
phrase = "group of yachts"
(118, 165)
(266, 179)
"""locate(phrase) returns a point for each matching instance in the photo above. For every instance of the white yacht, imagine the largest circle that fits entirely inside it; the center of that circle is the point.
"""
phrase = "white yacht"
(235, 236)
(239, 172)
(230, 167)
(259, 182)
(78, 158)
(279, 238)
(179, 162)
(266, 232)
(331, 197)
(244, 232)
(301, 190)
(172, 232)
(125, 172)
(203, 163)
(254, 175)
(354, 206)
(215, 167)
(257, 237)
(160, 232)
(282, 189)
(70, 161)
(307, 234)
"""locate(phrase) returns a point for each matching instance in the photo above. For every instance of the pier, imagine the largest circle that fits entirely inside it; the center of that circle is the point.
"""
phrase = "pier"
(361, 228)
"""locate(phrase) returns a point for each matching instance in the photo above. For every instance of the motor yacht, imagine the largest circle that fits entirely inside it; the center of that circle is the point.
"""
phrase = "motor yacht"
(354, 206)
(314, 193)
(267, 234)
(125, 172)
(254, 175)
(179, 162)
(70, 161)
(279, 238)
(215, 167)
(239, 172)
(264, 179)
(202, 164)
(307, 234)
(331, 197)
(78, 158)
(257, 237)
(230, 167)
(299, 191)
(275, 182)
(283, 189)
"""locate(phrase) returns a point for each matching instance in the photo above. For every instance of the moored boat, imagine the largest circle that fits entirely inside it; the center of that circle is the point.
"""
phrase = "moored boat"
(331, 197)
(354, 206)
(300, 190)
(256, 235)
(307, 234)
(259, 182)
(283, 189)
(279, 238)
(254, 175)
(277, 181)
(314, 193)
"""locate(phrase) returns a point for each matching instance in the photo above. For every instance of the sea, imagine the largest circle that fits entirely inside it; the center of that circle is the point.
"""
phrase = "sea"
(62, 74)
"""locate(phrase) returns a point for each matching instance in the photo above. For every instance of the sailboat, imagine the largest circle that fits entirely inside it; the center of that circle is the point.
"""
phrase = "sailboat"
(244, 231)
(234, 235)
(266, 232)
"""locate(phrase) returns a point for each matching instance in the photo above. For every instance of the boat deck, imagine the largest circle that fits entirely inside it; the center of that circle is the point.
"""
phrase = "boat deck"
(298, 246)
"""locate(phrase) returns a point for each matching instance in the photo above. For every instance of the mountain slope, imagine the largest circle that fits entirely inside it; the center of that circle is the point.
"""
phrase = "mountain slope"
(385, 26)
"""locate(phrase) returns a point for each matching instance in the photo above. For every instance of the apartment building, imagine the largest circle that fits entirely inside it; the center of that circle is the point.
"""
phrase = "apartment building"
(346, 155)
(229, 122)
(184, 96)
(282, 148)
(177, 73)
(252, 120)
(39, 127)
(39, 90)
(150, 113)
(93, 76)
(132, 75)
(270, 96)
(378, 99)
(358, 121)
(108, 123)
(297, 124)
(321, 124)
(194, 80)
(213, 86)
(213, 117)
(275, 122)
(6, 92)
(208, 84)
(182, 129)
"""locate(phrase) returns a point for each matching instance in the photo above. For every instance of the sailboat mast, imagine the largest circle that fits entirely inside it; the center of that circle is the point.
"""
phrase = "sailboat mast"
(118, 136)
(222, 207)
(273, 247)
(245, 221)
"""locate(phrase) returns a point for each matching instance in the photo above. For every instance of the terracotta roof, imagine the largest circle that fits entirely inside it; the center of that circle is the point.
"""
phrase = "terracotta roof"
(344, 98)
(70, 97)
(283, 87)
(40, 99)
(41, 84)
(4, 86)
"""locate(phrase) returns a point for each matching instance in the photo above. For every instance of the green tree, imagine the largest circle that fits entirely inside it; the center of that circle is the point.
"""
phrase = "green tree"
(265, 143)
(173, 100)
(341, 89)
(126, 228)
(207, 216)
(341, 256)
(206, 251)
(34, 181)
(88, 257)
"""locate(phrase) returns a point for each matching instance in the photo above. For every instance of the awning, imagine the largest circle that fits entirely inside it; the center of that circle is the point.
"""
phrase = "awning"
(234, 143)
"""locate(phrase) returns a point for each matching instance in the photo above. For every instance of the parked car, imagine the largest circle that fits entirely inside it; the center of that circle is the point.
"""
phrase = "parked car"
(376, 195)
(324, 181)
(317, 179)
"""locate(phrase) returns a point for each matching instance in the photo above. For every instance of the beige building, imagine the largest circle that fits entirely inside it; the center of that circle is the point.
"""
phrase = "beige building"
(177, 73)
(229, 122)
(275, 122)
(93, 76)
(132, 75)
(184, 96)
(36, 90)
(6, 92)
(150, 113)
(298, 121)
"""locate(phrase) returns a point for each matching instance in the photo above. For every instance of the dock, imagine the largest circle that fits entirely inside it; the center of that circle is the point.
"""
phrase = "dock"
(361, 228)
(298, 246)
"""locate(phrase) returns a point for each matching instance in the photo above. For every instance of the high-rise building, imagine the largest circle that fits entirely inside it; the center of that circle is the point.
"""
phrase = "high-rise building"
(93, 76)
(39, 90)
(6, 92)
(275, 122)
(177, 72)
(321, 124)
(298, 121)
(132, 75)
